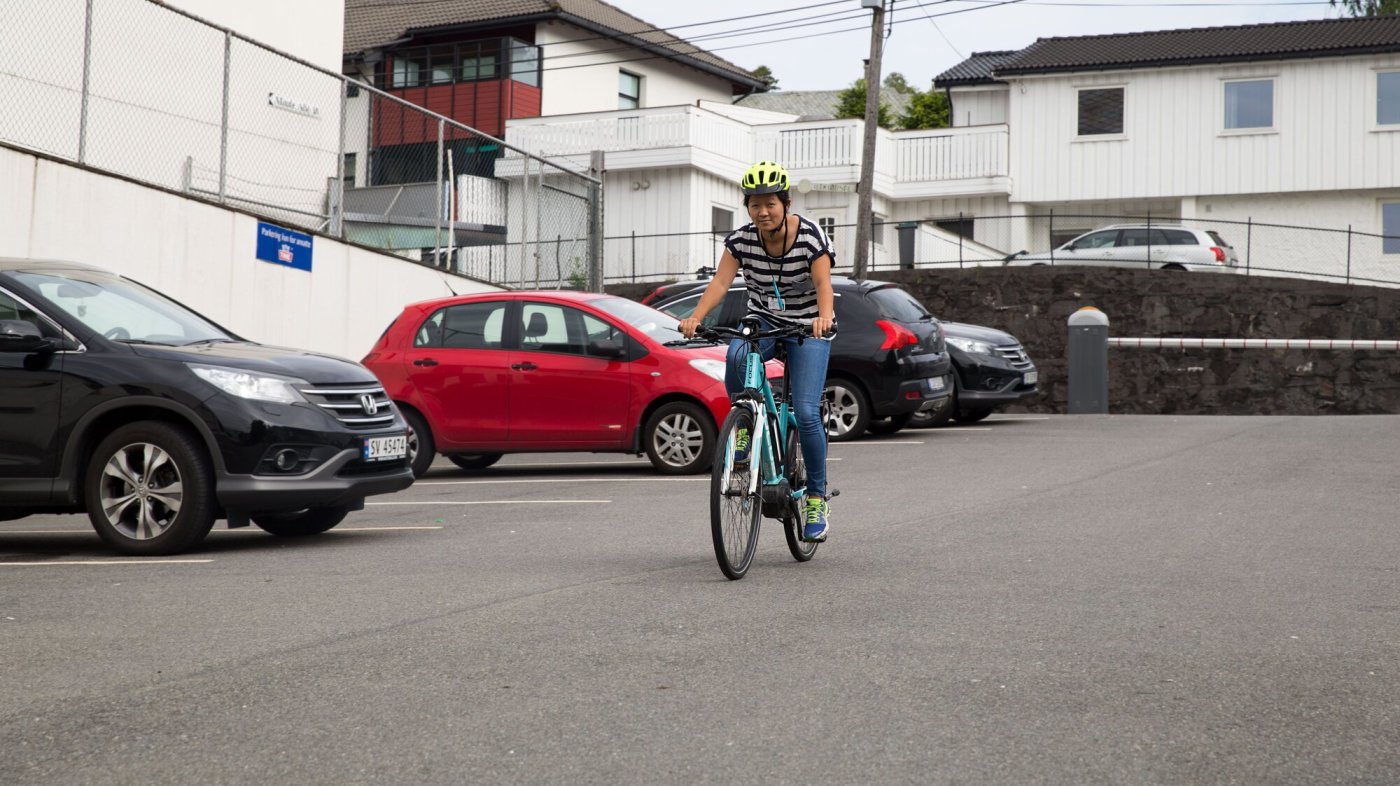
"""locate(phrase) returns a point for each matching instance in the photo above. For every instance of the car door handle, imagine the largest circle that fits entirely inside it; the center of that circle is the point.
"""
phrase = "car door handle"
(526, 366)
(425, 362)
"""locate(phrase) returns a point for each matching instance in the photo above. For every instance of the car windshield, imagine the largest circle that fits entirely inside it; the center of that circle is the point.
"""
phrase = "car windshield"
(658, 326)
(895, 303)
(121, 309)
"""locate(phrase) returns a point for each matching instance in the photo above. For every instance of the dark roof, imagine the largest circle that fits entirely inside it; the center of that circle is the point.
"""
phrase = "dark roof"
(975, 70)
(1278, 41)
(371, 24)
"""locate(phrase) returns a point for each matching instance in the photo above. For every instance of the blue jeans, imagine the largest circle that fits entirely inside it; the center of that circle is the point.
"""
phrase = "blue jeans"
(806, 373)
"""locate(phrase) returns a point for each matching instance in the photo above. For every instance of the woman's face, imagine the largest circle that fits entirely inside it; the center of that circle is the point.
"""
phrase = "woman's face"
(766, 211)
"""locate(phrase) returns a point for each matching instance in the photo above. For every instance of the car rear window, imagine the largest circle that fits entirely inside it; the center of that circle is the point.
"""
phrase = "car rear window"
(895, 303)
(1178, 237)
(1217, 238)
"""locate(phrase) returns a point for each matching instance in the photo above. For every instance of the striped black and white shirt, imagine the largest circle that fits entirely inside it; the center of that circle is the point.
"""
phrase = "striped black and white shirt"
(780, 286)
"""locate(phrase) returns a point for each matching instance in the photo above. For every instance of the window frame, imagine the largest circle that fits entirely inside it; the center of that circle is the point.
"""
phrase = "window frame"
(623, 97)
(1375, 119)
(1390, 241)
(1271, 128)
(1106, 136)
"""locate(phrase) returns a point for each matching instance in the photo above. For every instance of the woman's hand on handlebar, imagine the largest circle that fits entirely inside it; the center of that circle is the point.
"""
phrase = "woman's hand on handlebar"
(688, 326)
(822, 326)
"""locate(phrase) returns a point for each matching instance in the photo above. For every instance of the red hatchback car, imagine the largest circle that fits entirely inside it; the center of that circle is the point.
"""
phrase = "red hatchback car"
(478, 376)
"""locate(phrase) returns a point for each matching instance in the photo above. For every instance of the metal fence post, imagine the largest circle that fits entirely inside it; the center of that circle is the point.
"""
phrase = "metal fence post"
(1088, 362)
(441, 193)
(337, 212)
(595, 222)
(960, 240)
(1248, 242)
(1052, 237)
(1348, 253)
(223, 125)
(87, 80)
(634, 256)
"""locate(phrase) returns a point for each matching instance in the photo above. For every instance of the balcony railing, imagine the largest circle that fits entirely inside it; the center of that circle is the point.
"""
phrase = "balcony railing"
(905, 157)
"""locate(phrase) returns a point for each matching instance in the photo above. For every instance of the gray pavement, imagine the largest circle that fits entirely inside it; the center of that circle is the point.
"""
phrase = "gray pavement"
(1092, 599)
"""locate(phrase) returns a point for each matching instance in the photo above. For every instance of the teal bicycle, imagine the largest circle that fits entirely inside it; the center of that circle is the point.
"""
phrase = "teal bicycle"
(772, 478)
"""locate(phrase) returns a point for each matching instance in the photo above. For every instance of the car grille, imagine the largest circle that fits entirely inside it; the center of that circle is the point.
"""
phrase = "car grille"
(361, 406)
(1015, 355)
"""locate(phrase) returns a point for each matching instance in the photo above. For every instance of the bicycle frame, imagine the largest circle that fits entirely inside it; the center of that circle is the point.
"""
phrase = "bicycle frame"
(773, 421)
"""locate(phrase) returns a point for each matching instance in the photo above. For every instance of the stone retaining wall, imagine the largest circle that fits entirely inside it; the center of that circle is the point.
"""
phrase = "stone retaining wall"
(1034, 305)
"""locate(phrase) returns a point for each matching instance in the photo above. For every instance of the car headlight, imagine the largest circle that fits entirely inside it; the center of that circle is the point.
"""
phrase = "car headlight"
(246, 384)
(972, 347)
(713, 369)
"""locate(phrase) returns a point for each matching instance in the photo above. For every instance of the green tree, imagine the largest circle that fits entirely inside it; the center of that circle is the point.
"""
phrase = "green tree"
(851, 103)
(1369, 7)
(766, 75)
(926, 110)
(896, 82)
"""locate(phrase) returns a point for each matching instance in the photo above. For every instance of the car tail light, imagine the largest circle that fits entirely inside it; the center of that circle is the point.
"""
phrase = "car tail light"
(896, 335)
(1219, 253)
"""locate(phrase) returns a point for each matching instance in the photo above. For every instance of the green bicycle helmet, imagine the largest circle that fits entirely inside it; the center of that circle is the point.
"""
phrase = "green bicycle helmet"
(765, 177)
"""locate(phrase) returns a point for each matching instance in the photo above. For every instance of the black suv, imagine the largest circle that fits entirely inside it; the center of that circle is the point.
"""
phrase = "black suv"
(991, 369)
(888, 361)
(120, 402)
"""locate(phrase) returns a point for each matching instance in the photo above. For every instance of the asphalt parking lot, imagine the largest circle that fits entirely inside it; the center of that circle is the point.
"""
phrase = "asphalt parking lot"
(1093, 599)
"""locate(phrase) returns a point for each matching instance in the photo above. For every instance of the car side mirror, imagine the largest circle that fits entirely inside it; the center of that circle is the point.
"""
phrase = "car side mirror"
(19, 335)
(607, 348)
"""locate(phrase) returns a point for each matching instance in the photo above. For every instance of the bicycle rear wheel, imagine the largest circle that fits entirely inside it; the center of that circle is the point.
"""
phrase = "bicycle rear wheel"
(734, 511)
(792, 516)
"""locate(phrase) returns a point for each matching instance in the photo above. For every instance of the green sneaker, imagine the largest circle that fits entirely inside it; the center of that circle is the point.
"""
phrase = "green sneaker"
(816, 514)
(741, 447)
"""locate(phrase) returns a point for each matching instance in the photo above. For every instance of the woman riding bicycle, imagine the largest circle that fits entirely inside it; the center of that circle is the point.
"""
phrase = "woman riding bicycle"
(786, 260)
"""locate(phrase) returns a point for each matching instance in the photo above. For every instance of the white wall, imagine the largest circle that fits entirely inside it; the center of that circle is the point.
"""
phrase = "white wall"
(205, 257)
(312, 30)
(1173, 145)
(979, 106)
(594, 89)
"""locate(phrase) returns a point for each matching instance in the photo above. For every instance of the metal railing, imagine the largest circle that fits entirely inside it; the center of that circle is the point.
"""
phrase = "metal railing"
(152, 93)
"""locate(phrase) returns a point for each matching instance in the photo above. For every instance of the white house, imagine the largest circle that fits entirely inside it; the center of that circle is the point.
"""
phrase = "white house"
(1289, 124)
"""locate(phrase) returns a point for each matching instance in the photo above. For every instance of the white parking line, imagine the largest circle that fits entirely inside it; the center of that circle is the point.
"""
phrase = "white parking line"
(108, 562)
(877, 443)
(505, 502)
(527, 465)
(376, 529)
(1014, 419)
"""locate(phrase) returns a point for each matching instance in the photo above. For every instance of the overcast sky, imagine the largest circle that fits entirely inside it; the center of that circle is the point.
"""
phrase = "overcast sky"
(919, 47)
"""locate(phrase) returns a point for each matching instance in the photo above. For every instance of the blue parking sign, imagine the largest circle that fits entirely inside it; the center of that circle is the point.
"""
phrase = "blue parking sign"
(282, 246)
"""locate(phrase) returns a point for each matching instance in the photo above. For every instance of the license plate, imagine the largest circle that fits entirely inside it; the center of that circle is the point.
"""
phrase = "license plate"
(385, 448)
(1031, 377)
(936, 384)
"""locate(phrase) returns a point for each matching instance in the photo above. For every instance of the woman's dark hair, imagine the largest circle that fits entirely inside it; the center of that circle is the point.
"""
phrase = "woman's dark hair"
(783, 196)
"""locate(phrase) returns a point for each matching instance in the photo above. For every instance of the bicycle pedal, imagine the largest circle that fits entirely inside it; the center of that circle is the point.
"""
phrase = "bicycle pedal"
(833, 493)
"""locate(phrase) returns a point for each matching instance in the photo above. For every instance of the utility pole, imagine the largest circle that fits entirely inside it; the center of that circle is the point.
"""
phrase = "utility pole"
(872, 122)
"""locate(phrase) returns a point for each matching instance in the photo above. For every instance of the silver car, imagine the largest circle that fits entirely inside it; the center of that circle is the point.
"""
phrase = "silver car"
(1157, 247)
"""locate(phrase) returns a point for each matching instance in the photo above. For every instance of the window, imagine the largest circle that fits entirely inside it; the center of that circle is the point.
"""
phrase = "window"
(956, 226)
(629, 90)
(877, 229)
(1388, 98)
(721, 220)
(10, 308)
(828, 227)
(468, 326)
(407, 71)
(351, 162)
(1104, 239)
(525, 63)
(1249, 104)
(1179, 237)
(550, 328)
(1390, 227)
(1101, 111)
(442, 65)
(480, 63)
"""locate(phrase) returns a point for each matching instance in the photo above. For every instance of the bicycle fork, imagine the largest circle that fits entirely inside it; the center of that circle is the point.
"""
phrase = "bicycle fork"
(759, 458)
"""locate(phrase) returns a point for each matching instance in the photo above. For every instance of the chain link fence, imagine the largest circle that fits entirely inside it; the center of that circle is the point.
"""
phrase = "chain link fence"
(147, 92)
(962, 241)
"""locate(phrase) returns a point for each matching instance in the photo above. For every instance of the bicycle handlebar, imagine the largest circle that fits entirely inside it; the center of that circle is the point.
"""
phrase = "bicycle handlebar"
(717, 333)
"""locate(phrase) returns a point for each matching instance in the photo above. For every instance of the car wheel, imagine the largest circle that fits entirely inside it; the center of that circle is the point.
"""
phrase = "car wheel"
(1174, 266)
(971, 415)
(420, 442)
(150, 489)
(474, 460)
(848, 413)
(891, 424)
(679, 438)
(297, 523)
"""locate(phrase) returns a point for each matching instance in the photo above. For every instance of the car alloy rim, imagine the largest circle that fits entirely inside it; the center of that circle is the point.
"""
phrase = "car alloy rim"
(842, 410)
(678, 439)
(141, 491)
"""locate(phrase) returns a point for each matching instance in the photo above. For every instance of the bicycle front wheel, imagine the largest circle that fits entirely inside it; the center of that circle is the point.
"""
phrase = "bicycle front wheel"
(734, 511)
